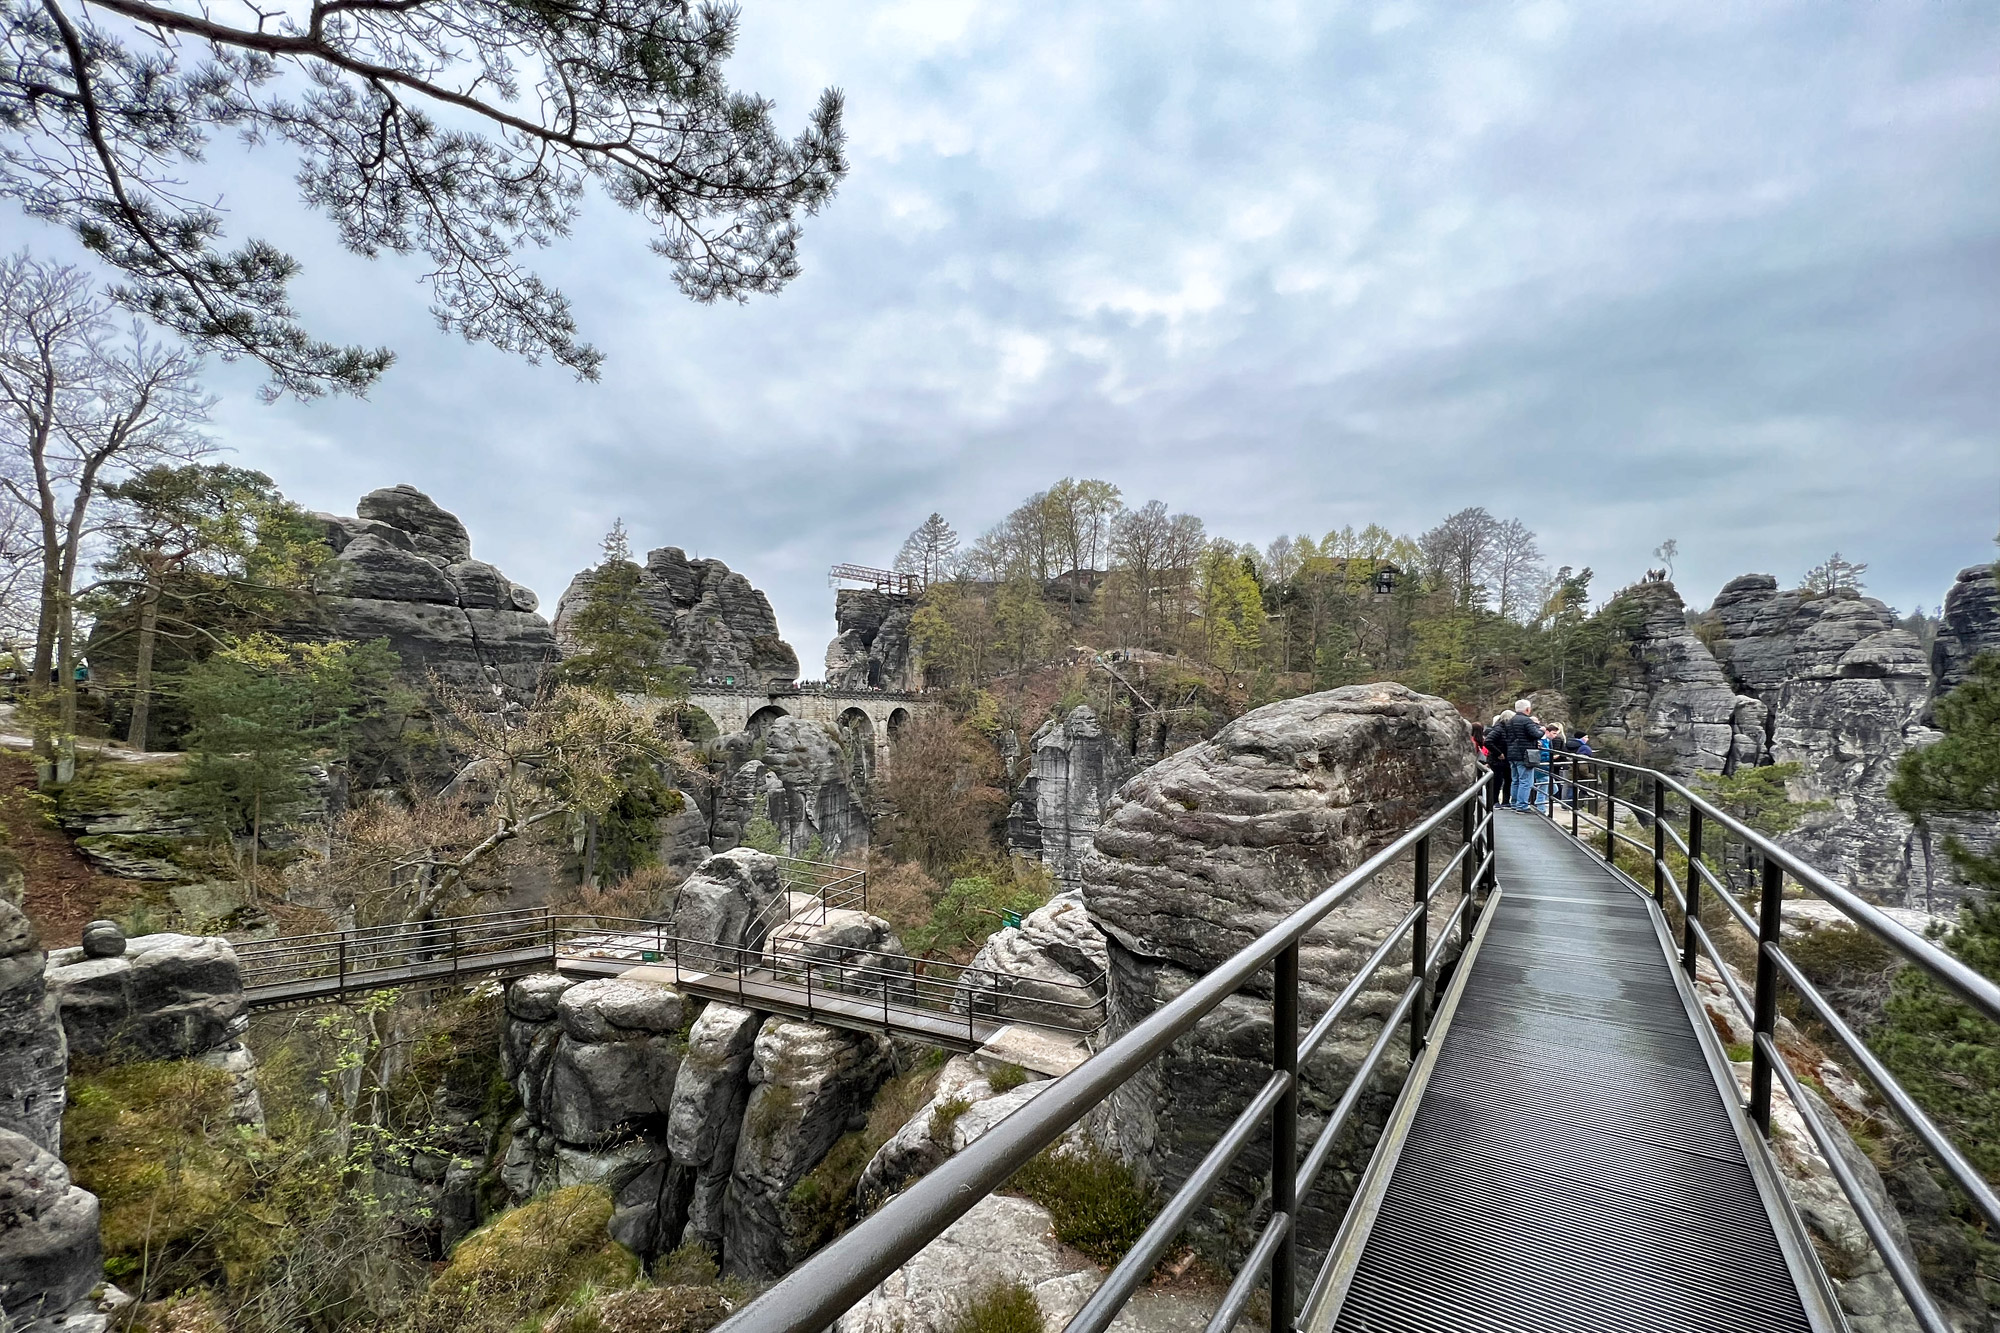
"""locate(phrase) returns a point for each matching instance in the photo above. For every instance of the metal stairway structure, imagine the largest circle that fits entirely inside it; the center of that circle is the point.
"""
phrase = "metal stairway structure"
(1569, 1153)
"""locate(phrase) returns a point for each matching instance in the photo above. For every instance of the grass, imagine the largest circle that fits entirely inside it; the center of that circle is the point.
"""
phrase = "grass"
(527, 1261)
(944, 1115)
(1006, 1077)
(826, 1201)
(1003, 1307)
(1095, 1201)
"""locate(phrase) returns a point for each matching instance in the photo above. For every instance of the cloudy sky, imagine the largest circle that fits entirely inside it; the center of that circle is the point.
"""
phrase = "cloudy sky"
(1724, 272)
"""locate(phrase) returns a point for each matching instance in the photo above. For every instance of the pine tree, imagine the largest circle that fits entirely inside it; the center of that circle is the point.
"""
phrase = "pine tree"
(1834, 575)
(614, 641)
(931, 552)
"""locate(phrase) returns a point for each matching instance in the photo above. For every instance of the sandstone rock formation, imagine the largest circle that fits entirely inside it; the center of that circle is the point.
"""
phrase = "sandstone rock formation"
(34, 1056)
(842, 949)
(797, 775)
(707, 1113)
(727, 902)
(1968, 626)
(715, 622)
(403, 570)
(808, 1085)
(962, 1107)
(1207, 849)
(50, 1257)
(872, 649)
(1073, 770)
(1053, 968)
(167, 997)
(1674, 707)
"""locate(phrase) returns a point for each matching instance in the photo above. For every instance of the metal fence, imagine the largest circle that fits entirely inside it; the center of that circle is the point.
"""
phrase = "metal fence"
(1671, 815)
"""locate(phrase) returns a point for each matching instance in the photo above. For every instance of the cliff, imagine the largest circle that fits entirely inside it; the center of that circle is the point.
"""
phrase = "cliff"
(715, 622)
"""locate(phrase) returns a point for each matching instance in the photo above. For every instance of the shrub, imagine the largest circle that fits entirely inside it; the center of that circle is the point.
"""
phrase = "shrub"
(1004, 1307)
(904, 896)
(528, 1260)
(763, 836)
(668, 1309)
(823, 1204)
(1096, 1202)
(970, 909)
(944, 1115)
(1006, 1078)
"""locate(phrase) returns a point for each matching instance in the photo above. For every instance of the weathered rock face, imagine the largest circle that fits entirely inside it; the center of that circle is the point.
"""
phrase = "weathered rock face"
(50, 1257)
(798, 775)
(808, 1085)
(1207, 849)
(1053, 968)
(1845, 690)
(961, 1109)
(167, 997)
(34, 1056)
(1073, 770)
(726, 902)
(872, 649)
(842, 949)
(403, 570)
(715, 621)
(707, 1113)
(1675, 708)
(1968, 626)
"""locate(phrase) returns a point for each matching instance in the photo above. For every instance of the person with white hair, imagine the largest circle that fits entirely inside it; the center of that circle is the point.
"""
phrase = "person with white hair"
(1521, 736)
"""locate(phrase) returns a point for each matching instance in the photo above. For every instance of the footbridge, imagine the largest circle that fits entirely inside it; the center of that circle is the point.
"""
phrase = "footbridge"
(783, 964)
(873, 717)
(1571, 1149)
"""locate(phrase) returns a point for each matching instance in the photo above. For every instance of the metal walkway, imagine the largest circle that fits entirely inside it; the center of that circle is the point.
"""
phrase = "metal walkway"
(1569, 1164)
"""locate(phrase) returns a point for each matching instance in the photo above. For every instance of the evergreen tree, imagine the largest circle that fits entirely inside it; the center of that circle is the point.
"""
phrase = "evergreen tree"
(1834, 575)
(614, 641)
(1960, 774)
(931, 552)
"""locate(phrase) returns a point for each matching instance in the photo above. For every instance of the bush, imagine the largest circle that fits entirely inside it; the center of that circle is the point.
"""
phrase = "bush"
(823, 1204)
(970, 909)
(762, 835)
(1005, 1078)
(670, 1309)
(1004, 1307)
(944, 1115)
(529, 1260)
(1095, 1201)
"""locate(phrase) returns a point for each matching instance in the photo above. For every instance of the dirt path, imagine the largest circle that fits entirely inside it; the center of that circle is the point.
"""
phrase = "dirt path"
(64, 893)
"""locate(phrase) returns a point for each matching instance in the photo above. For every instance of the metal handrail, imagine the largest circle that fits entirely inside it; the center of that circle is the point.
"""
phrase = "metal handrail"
(1776, 966)
(813, 1295)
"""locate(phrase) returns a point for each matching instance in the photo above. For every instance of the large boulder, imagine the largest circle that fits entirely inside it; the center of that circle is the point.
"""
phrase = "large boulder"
(872, 648)
(726, 903)
(1968, 625)
(167, 997)
(50, 1258)
(715, 623)
(34, 1055)
(809, 1085)
(613, 1071)
(843, 949)
(707, 1113)
(1672, 706)
(431, 530)
(1052, 969)
(962, 1108)
(1206, 850)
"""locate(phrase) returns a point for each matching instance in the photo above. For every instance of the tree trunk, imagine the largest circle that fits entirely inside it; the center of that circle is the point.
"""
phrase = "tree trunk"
(256, 838)
(142, 671)
(590, 851)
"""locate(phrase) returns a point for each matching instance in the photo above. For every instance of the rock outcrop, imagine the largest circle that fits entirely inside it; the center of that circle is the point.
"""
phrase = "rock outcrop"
(1674, 708)
(707, 1113)
(872, 649)
(50, 1257)
(809, 1085)
(1845, 690)
(403, 571)
(1073, 770)
(166, 997)
(1053, 968)
(962, 1107)
(727, 902)
(34, 1055)
(799, 776)
(1207, 849)
(1968, 625)
(715, 622)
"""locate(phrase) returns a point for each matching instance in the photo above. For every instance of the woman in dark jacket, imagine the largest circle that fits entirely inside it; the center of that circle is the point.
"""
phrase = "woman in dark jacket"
(1496, 755)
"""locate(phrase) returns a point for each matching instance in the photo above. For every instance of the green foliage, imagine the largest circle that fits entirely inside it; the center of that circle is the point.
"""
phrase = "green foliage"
(822, 1204)
(628, 832)
(1758, 797)
(760, 834)
(1003, 1307)
(615, 640)
(944, 1115)
(1005, 1077)
(1098, 1205)
(665, 1308)
(1960, 774)
(970, 910)
(528, 1261)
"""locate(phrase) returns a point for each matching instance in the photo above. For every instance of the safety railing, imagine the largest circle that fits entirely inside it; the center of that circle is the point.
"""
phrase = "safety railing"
(363, 955)
(1662, 807)
(813, 1296)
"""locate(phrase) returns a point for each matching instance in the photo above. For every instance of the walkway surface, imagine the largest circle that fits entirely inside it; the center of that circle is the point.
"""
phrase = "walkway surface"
(1571, 1167)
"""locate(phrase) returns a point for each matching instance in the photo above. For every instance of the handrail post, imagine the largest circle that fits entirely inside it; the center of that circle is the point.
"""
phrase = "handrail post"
(454, 951)
(1659, 840)
(1692, 917)
(1490, 853)
(343, 963)
(1468, 820)
(1770, 922)
(1285, 1135)
(1420, 940)
(1575, 790)
(1610, 816)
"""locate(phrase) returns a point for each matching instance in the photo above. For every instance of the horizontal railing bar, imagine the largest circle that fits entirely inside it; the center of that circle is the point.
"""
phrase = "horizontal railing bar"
(1354, 988)
(809, 1298)
(1118, 1286)
(1942, 1148)
(1245, 1286)
(1323, 1145)
(1899, 1267)
(1726, 972)
(1430, 892)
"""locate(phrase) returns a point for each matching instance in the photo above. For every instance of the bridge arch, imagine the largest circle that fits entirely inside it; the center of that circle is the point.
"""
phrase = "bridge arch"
(898, 719)
(857, 732)
(695, 724)
(760, 721)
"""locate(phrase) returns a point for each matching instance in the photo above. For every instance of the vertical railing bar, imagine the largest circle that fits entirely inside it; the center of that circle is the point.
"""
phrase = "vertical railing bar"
(1693, 915)
(1468, 823)
(1659, 840)
(1575, 788)
(1770, 923)
(1420, 947)
(1285, 1132)
(1610, 816)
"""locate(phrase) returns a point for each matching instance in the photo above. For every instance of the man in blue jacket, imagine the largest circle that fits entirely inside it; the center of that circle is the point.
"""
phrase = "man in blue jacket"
(1523, 737)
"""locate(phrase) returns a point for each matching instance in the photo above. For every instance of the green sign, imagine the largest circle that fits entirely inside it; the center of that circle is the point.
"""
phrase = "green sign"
(649, 955)
(1010, 918)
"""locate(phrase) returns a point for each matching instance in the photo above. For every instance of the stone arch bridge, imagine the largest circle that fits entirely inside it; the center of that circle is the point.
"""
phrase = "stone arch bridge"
(874, 716)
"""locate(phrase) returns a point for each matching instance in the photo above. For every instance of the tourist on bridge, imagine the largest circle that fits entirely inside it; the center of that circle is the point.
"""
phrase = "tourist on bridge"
(1521, 735)
(1496, 751)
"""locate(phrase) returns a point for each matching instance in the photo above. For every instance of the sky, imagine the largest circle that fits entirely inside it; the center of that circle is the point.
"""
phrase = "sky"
(1722, 272)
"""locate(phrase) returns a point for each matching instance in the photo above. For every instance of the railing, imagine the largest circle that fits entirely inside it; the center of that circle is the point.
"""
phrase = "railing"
(812, 1296)
(1652, 803)
(468, 943)
(898, 581)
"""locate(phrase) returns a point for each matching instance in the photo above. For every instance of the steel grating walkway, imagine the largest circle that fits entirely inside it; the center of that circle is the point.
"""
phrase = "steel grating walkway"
(1571, 1166)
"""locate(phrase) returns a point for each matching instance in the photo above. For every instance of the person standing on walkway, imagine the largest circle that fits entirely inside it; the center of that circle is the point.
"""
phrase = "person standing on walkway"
(1496, 754)
(1522, 736)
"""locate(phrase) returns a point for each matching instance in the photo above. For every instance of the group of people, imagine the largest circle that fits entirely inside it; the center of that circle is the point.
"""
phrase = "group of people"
(1521, 752)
